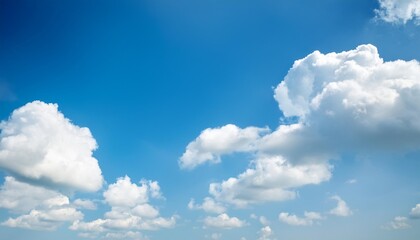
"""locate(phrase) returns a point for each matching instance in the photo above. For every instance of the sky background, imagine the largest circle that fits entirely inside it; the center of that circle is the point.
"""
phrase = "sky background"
(148, 77)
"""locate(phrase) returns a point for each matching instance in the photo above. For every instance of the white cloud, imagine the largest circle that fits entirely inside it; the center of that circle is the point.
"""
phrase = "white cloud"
(130, 209)
(415, 211)
(308, 219)
(341, 209)
(213, 142)
(208, 205)
(264, 221)
(84, 204)
(265, 233)
(125, 235)
(39, 144)
(351, 181)
(270, 179)
(399, 11)
(124, 193)
(145, 211)
(92, 226)
(44, 219)
(42, 209)
(398, 223)
(223, 221)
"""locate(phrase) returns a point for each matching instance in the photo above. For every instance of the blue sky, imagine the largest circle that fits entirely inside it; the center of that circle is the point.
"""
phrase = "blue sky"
(210, 119)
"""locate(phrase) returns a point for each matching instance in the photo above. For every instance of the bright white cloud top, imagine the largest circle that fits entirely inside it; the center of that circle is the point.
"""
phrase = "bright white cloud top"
(399, 11)
(39, 144)
(357, 90)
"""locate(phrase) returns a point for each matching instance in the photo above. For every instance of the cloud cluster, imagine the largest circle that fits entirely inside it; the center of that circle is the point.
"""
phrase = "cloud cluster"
(46, 154)
(341, 210)
(399, 11)
(269, 179)
(41, 208)
(40, 145)
(308, 219)
(323, 95)
(398, 223)
(130, 209)
(357, 90)
(209, 205)
(224, 221)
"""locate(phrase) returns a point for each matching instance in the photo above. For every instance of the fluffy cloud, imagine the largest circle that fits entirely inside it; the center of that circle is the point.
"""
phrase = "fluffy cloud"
(223, 221)
(398, 223)
(341, 209)
(399, 11)
(265, 233)
(415, 211)
(124, 193)
(130, 209)
(39, 144)
(208, 205)
(270, 179)
(357, 90)
(308, 219)
(42, 209)
(323, 95)
(213, 142)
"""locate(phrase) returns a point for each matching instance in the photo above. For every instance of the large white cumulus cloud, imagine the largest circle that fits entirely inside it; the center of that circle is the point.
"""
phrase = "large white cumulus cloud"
(352, 101)
(39, 144)
(357, 90)
(399, 11)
